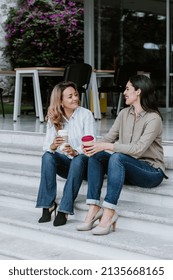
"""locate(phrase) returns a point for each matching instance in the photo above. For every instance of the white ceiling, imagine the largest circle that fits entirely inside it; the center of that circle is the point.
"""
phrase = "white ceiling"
(153, 6)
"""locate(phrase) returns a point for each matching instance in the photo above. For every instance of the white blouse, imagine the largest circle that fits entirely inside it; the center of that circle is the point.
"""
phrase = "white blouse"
(80, 123)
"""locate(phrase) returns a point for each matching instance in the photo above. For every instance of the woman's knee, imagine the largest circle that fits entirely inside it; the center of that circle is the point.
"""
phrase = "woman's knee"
(47, 157)
(93, 159)
(79, 161)
(99, 156)
(117, 157)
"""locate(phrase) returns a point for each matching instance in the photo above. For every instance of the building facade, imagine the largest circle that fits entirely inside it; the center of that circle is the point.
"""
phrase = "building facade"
(138, 32)
(121, 32)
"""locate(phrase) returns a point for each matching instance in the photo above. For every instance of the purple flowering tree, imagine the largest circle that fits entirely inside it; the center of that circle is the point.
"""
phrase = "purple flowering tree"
(44, 33)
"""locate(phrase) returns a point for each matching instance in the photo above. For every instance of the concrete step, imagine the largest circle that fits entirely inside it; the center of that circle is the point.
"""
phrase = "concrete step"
(29, 176)
(29, 179)
(153, 218)
(31, 139)
(145, 215)
(34, 151)
(18, 138)
(22, 218)
(43, 245)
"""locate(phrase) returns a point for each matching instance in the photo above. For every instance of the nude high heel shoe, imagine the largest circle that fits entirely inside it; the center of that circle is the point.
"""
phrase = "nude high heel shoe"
(88, 226)
(105, 230)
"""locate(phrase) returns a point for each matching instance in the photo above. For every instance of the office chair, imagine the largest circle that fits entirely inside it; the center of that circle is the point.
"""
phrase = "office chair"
(80, 74)
(2, 103)
(121, 77)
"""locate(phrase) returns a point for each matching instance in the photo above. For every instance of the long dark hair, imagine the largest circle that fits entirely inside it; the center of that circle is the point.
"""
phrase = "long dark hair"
(147, 96)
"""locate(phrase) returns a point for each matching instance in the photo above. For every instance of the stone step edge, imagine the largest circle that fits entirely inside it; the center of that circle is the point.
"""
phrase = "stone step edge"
(81, 208)
(38, 154)
(35, 152)
(82, 248)
(27, 133)
(25, 150)
(42, 135)
(12, 255)
(20, 138)
(154, 252)
(38, 149)
(22, 168)
(157, 190)
(19, 166)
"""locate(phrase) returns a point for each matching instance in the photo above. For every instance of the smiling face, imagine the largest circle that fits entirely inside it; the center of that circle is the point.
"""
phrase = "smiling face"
(70, 99)
(132, 96)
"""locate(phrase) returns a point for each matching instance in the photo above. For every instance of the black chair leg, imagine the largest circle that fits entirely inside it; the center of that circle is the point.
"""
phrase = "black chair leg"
(2, 104)
(86, 100)
(113, 111)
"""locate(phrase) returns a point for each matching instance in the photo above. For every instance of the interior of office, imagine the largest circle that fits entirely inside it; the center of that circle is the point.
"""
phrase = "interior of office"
(140, 33)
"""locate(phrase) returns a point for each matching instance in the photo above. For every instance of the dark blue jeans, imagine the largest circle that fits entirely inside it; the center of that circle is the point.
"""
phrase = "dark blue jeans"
(75, 170)
(120, 169)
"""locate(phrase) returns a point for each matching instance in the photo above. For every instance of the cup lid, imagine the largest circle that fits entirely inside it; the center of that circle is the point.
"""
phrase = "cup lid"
(87, 138)
(62, 132)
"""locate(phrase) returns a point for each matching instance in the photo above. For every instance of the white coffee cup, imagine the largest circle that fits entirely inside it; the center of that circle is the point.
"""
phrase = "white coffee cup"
(63, 133)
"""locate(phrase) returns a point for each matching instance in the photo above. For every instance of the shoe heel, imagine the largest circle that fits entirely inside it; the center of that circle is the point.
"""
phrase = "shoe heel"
(114, 221)
(113, 226)
(54, 213)
(105, 230)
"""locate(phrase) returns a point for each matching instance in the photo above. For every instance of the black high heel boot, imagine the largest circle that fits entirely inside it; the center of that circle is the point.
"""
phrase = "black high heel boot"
(60, 219)
(46, 215)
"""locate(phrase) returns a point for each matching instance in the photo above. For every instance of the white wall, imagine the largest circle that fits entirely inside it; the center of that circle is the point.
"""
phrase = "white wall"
(4, 8)
(6, 83)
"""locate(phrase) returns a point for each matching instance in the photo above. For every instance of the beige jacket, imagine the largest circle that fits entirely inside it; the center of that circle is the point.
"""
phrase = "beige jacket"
(140, 138)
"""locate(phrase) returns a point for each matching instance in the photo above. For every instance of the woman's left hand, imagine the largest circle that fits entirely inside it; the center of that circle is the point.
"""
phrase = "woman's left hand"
(95, 148)
(68, 150)
(98, 147)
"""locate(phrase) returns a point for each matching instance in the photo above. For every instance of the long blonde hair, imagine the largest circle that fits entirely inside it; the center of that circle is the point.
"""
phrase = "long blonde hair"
(55, 111)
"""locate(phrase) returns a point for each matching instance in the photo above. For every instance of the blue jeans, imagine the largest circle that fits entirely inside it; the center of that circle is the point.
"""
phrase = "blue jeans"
(74, 170)
(120, 169)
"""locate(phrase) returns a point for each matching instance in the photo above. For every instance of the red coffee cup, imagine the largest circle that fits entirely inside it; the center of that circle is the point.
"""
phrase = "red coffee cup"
(87, 140)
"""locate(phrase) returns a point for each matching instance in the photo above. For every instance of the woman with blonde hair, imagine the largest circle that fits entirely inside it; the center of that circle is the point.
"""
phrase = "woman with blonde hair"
(66, 160)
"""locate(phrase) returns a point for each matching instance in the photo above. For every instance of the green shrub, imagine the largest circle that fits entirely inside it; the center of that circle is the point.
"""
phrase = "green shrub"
(44, 33)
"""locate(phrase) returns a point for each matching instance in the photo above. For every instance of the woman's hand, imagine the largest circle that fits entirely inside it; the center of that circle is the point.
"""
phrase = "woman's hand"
(97, 147)
(58, 141)
(68, 150)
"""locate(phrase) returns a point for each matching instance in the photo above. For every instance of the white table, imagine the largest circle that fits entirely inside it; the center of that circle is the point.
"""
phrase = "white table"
(34, 72)
(95, 79)
(7, 73)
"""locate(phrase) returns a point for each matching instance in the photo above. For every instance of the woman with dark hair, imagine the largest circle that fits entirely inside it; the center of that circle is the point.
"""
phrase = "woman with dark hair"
(130, 152)
(68, 161)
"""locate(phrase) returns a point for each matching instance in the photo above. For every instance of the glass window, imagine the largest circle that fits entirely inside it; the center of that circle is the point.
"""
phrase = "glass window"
(171, 55)
(133, 32)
